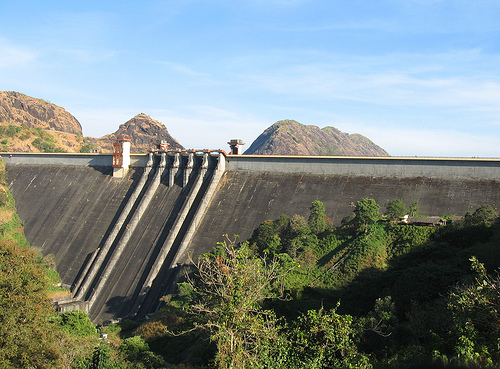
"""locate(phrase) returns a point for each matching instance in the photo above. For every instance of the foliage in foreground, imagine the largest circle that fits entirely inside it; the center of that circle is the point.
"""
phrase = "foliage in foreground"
(32, 334)
(229, 287)
(395, 283)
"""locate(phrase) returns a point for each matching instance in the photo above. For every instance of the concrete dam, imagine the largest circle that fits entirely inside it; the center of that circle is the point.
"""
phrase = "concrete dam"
(119, 241)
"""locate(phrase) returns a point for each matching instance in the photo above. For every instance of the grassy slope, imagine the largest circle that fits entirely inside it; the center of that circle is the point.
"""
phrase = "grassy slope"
(16, 138)
(12, 229)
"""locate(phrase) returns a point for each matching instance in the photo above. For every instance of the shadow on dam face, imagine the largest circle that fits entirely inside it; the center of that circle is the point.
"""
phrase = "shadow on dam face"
(70, 210)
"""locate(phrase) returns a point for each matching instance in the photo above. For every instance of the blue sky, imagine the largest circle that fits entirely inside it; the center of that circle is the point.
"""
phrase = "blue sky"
(417, 77)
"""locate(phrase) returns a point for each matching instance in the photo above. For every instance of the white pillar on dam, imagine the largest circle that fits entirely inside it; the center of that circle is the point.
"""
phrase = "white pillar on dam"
(121, 157)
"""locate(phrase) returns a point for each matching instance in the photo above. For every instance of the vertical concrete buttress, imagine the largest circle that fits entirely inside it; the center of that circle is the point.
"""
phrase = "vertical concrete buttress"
(174, 169)
(83, 285)
(200, 212)
(189, 169)
(131, 226)
(181, 217)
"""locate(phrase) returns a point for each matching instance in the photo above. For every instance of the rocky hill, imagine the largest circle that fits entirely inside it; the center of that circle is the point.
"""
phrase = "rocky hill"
(142, 130)
(28, 124)
(19, 109)
(288, 137)
(35, 125)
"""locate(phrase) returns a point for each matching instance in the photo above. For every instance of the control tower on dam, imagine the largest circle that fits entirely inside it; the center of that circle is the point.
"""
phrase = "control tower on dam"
(121, 225)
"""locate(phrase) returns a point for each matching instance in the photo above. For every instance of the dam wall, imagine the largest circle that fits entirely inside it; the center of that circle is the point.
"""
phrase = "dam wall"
(119, 242)
(72, 207)
(70, 159)
(258, 188)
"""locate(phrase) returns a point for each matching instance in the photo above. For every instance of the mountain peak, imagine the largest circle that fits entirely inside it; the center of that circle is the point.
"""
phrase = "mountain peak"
(143, 130)
(289, 137)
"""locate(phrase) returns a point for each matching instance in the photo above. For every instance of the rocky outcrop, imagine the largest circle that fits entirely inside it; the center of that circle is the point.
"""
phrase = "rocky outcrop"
(288, 137)
(142, 130)
(35, 125)
(18, 109)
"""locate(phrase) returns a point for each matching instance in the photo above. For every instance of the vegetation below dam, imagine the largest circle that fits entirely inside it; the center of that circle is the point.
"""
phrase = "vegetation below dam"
(372, 292)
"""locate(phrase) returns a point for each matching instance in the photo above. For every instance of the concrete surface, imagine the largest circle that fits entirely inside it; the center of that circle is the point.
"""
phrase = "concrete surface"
(447, 168)
(245, 199)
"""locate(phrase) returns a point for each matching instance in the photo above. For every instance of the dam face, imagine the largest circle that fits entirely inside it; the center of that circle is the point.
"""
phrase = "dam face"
(118, 243)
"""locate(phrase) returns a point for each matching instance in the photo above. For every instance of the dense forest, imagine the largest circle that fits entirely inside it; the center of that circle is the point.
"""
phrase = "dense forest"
(374, 292)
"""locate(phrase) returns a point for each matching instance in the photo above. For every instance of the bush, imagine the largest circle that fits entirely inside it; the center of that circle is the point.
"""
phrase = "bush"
(77, 322)
(88, 148)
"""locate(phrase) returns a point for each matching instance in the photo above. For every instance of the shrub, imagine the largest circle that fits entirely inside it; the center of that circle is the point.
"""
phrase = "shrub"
(78, 323)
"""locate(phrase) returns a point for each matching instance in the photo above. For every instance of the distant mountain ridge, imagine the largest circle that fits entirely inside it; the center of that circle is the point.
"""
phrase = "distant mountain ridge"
(29, 124)
(289, 137)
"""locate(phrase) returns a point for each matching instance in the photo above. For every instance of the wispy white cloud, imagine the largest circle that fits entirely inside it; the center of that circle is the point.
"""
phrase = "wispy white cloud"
(438, 80)
(15, 56)
(187, 71)
(87, 56)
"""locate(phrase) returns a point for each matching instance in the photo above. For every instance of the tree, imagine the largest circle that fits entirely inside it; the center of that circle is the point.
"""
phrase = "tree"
(265, 239)
(27, 332)
(317, 218)
(102, 359)
(294, 233)
(77, 322)
(230, 288)
(485, 214)
(367, 212)
(136, 350)
(324, 339)
(396, 209)
(476, 312)
(413, 209)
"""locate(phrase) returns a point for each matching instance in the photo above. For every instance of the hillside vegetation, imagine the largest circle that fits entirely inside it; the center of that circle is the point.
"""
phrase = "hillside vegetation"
(32, 334)
(371, 293)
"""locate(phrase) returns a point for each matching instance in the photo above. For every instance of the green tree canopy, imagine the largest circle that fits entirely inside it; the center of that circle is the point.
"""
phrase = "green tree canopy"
(367, 212)
(396, 209)
(485, 213)
(27, 335)
(265, 239)
(413, 209)
(476, 311)
(325, 339)
(77, 322)
(230, 288)
(317, 218)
